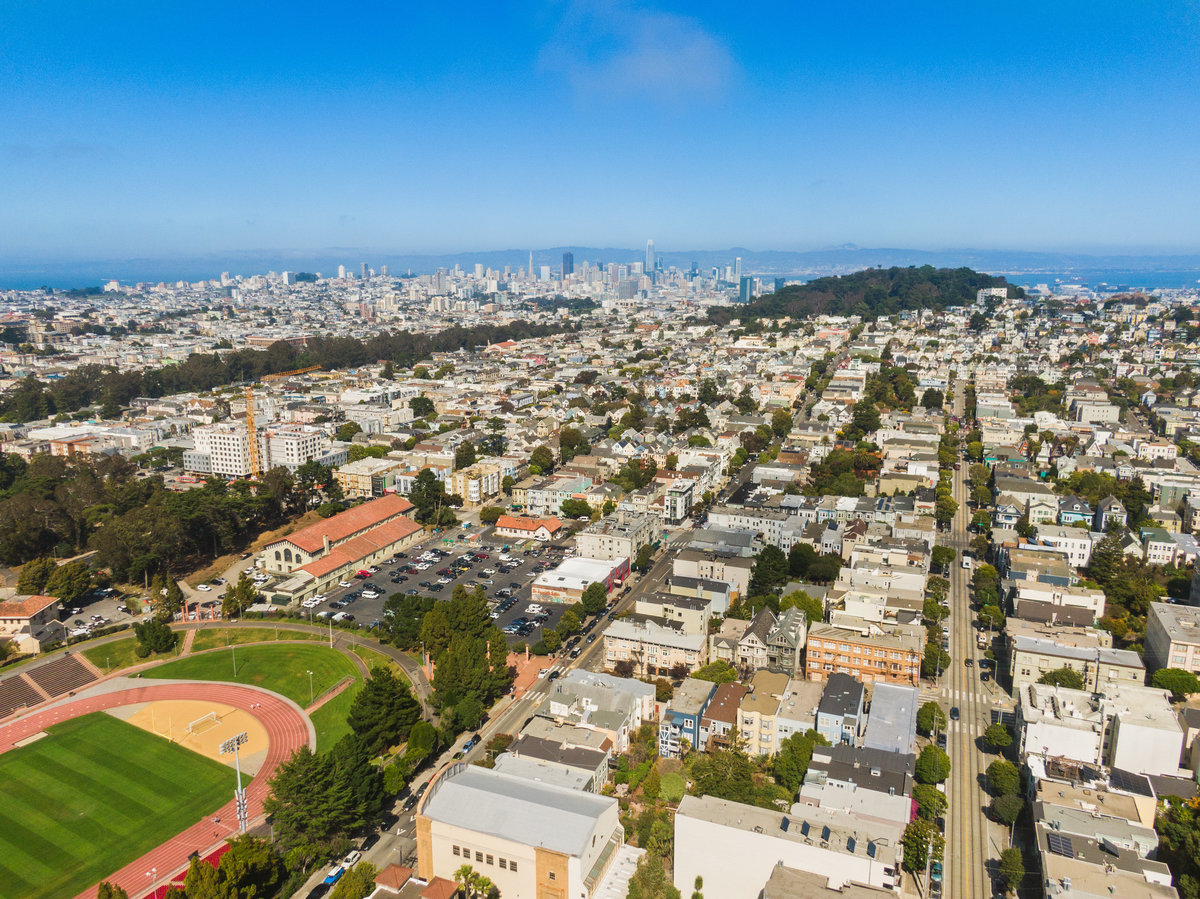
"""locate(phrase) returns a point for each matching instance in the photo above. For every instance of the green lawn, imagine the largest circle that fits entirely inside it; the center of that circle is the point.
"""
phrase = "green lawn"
(329, 721)
(119, 654)
(281, 668)
(373, 658)
(211, 638)
(93, 796)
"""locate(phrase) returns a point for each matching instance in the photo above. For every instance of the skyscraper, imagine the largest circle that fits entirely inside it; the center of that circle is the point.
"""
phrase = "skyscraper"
(649, 257)
(568, 265)
(737, 268)
(745, 289)
(341, 273)
(364, 271)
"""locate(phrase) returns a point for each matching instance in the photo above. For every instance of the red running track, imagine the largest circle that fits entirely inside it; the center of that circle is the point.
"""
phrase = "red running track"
(287, 731)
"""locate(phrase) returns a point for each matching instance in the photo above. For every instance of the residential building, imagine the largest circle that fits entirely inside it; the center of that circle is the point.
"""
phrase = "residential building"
(369, 477)
(532, 840)
(840, 717)
(732, 569)
(839, 847)
(720, 717)
(681, 720)
(892, 719)
(871, 784)
(476, 483)
(868, 652)
(651, 648)
(758, 711)
(520, 528)
(617, 536)
(1173, 637)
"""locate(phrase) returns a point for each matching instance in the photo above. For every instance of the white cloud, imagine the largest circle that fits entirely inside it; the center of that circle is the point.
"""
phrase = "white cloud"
(614, 50)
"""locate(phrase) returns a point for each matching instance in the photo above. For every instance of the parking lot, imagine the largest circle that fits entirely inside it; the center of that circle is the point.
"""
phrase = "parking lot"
(436, 566)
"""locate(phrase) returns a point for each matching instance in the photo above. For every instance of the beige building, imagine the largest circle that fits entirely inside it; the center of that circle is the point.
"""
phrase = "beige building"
(368, 477)
(652, 648)
(476, 483)
(869, 653)
(616, 537)
(733, 570)
(532, 840)
(756, 719)
(1173, 637)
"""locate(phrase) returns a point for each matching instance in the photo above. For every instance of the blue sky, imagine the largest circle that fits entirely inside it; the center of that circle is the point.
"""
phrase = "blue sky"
(139, 129)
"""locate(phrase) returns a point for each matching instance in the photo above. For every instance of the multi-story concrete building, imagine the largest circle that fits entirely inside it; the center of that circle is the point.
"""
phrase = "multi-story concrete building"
(652, 648)
(732, 569)
(869, 653)
(368, 477)
(617, 536)
(532, 840)
(840, 717)
(476, 483)
(1173, 637)
(758, 711)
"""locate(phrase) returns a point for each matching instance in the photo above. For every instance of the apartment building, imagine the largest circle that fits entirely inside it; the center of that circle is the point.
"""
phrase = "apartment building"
(368, 477)
(756, 719)
(617, 536)
(681, 721)
(652, 648)
(1173, 637)
(476, 483)
(732, 569)
(869, 653)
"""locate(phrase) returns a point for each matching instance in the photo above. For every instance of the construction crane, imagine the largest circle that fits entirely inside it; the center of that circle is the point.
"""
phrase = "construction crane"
(251, 430)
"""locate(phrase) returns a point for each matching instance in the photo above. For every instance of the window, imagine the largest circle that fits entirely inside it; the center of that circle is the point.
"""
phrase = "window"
(490, 861)
(478, 856)
(504, 863)
(455, 850)
(512, 866)
(553, 876)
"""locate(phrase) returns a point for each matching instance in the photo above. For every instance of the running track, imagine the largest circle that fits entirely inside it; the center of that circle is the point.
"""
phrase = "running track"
(287, 731)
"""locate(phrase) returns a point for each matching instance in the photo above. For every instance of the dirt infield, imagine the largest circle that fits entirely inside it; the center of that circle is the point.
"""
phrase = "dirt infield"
(171, 719)
(287, 728)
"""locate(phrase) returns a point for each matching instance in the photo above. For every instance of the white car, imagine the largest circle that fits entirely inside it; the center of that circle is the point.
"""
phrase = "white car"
(204, 588)
(345, 584)
(320, 597)
(489, 571)
(371, 594)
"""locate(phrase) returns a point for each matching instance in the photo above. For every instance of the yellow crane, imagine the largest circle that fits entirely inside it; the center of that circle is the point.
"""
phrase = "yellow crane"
(251, 430)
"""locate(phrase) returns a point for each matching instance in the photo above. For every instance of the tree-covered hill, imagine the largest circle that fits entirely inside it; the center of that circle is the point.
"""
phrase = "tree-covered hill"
(872, 293)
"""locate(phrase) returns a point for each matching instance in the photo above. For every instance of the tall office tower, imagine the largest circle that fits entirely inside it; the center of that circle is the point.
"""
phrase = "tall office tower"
(478, 269)
(649, 256)
(737, 267)
(779, 282)
(614, 274)
(531, 263)
(544, 273)
(383, 270)
(744, 289)
(568, 265)
(364, 271)
(341, 273)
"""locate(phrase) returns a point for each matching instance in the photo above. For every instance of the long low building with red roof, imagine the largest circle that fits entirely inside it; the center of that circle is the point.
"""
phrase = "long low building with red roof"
(315, 558)
(529, 528)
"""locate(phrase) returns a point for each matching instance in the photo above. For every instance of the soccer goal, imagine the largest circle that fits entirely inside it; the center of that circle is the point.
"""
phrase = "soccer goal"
(203, 723)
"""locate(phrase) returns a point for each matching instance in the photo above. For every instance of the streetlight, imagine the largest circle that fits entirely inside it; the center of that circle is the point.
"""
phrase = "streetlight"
(239, 795)
(310, 688)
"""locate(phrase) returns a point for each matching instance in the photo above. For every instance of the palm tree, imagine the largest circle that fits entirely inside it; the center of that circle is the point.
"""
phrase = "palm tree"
(475, 884)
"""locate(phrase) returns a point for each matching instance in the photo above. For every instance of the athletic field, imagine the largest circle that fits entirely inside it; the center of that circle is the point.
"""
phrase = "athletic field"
(93, 796)
(280, 668)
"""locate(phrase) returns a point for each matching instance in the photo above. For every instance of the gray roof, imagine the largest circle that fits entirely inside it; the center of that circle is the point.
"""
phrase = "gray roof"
(842, 696)
(892, 723)
(515, 808)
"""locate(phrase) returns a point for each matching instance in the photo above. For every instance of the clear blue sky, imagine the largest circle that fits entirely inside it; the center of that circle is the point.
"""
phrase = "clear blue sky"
(138, 128)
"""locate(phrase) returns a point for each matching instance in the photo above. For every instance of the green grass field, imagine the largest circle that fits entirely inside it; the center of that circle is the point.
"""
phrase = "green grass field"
(93, 796)
(281, 668)
(211, 638)
(119, 654)
(329, 721)
(373, 658)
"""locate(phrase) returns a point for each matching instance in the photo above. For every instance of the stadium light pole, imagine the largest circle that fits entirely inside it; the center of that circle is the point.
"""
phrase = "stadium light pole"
(239, 795)
(310, 688)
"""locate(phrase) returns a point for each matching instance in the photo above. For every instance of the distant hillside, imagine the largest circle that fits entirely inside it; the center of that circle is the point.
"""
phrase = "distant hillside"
(873, 293)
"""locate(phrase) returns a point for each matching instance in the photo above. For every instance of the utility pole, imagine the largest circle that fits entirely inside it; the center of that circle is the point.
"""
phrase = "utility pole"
(310, 688)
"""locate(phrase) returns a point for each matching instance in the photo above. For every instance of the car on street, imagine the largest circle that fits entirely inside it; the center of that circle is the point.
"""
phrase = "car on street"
(954, 713)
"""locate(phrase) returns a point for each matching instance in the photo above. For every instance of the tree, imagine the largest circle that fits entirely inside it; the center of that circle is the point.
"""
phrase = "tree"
(1063, 677)
(800, 557)
(931, 802)
(357, 883)
(935, 661)
(239, 597)
(943, 556)
(933, 765)
(1012, 868)
(383, 712)
(813, 608)
(644, 554)
(1181, 683)
(781, 422)
(1003, 777)
(930, 718)
(921, 842)
(1007, 808)
(719, 672)
(824, 569)
(464, 456)
(472, 882)
(576, 508)
(933, 398)
(652, 784)
(650, 880)
(346, 432)
(507, 485)
(795, 755)
(71, 581)
(34, 576)
(490, 514)
(543, 458)
(770, 570)
(107, 890)
(997, 737)
(594, 599)
(154, 636)
(865, 418)
(422, 407)
(945, 509)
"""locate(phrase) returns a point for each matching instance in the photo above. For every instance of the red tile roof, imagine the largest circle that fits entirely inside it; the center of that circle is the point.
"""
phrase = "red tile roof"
(362, 546)
(26, 607)
(512, 523)
(440, 888)
(312, 538)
